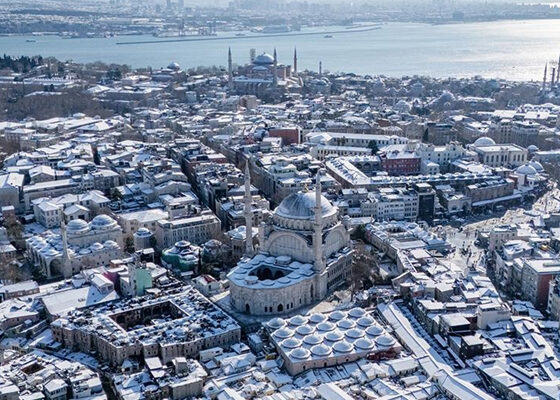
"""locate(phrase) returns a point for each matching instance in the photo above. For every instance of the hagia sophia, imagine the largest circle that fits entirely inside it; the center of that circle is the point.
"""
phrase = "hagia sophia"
(264, 76)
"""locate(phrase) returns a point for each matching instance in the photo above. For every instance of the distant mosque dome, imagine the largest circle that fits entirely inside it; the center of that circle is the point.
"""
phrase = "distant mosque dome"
(301, 205)
(173, 66)
(484, 141)
(263, 59)
(526, 170)
(532, 148)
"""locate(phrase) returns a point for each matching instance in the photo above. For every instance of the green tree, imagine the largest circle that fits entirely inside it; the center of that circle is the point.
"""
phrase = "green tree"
(372, 145)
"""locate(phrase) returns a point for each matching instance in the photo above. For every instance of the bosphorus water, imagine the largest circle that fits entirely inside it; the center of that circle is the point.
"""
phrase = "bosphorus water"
(515, 50)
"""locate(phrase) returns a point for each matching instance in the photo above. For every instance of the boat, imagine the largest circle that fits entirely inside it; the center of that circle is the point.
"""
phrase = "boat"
(328, 36)
(31, 41)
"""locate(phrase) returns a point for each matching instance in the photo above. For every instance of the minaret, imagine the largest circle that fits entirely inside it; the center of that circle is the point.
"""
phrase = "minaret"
(320, 68)
(295, 60)
(275, 70)
(558, 71)
(230, 70)
(248, 213)
(544, 78)
(66, 264)
(552, 77)
(318, 226)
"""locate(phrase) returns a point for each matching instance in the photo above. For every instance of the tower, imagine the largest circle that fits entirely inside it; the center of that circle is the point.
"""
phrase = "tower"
(295, 60)
(230, 70)
(66, 262)
(318, 227)
(320, 68)
(544, 77)
(275, 70)
(248, 198)
(552, 77)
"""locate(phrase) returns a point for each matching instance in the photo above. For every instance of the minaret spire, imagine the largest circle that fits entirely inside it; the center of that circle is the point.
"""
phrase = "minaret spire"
(320, 68)
(295, 60)
(230, 70)
(544, 78)
(65, 254)
(318, 226)
(248, 199)
(275, 69)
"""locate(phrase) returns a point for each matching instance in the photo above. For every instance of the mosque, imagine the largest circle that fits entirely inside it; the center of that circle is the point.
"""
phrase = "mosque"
(264, 76)
(80, 245)
(305, 252)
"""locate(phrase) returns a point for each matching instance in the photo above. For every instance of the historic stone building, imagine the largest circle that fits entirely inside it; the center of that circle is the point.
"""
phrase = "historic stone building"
(304, 253)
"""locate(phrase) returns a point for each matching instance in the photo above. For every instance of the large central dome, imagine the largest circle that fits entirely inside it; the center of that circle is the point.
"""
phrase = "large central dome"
(301, 205)
(263, 59)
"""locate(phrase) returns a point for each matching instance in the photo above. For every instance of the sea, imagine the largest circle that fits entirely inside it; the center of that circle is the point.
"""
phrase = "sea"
(511, 49)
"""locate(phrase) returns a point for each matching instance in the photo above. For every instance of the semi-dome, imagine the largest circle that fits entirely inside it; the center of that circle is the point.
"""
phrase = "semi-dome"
(526, 169)
(484, 141)
(102, 222)
(77, 225)
(263, 59)
(301, 205)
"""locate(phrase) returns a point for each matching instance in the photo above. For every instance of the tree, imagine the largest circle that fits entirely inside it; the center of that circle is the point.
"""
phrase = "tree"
(116, 194)
(129, 245)
(373, 146)
(14, 228)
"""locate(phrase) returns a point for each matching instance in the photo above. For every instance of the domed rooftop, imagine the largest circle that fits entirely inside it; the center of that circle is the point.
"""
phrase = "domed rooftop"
(77, 225)
(532, 148)
(305, 330)
(276, 323)
(263, 59)
(297, 320)
(143, 232)
(283, 333)
(537, 165)
(313, 339)
(526, 169)
(301, 205)
(291, 343)
(102, 222)
(385, 341)
(484, 141)
(343, 347)
(317, 318)
(300, 353)
(321, 350)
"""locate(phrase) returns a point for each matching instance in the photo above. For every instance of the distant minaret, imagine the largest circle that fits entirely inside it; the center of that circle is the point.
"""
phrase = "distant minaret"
(552, 77)
(248, 213)
(318, 226)
(295, 60)
(252, 55)
(544, 78)
(320, 68)
(275, 70)
(230, 70)
(65, 254)
(558, 71)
